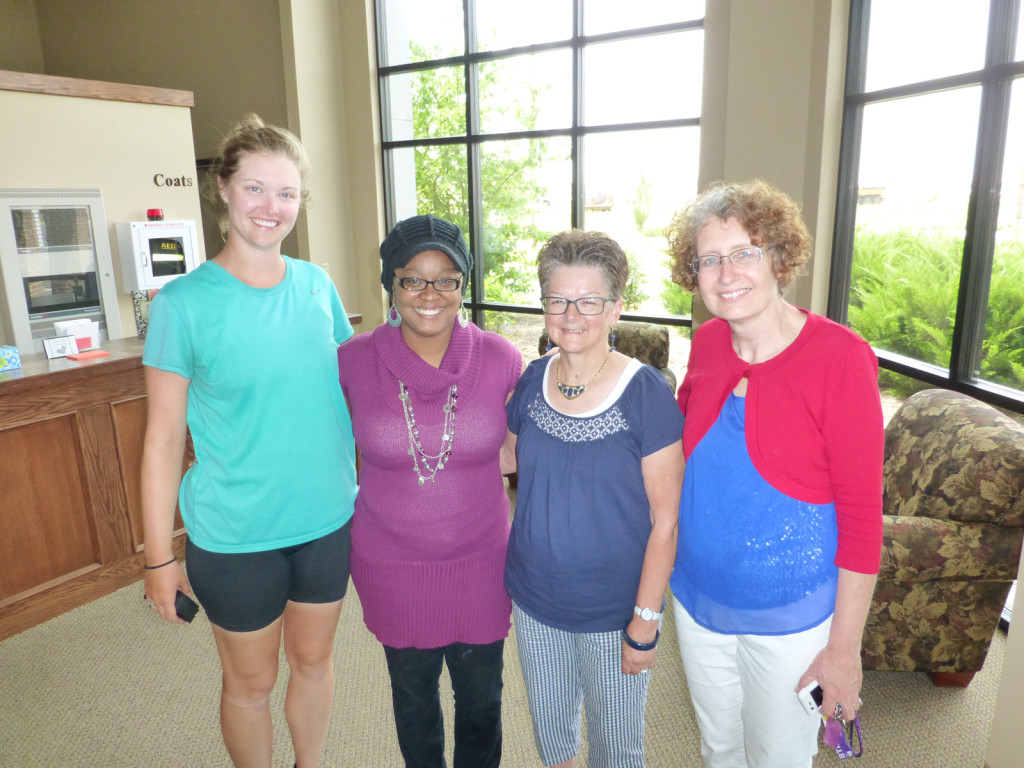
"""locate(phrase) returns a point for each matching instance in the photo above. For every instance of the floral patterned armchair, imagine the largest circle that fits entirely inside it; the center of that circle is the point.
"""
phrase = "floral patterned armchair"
(647, 342)
(953, 504)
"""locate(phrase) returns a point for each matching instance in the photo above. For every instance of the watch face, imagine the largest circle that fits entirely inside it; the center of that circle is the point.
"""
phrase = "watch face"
(647, 614)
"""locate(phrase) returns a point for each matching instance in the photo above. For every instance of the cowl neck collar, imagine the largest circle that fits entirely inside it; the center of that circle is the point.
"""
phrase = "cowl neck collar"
(417, 374)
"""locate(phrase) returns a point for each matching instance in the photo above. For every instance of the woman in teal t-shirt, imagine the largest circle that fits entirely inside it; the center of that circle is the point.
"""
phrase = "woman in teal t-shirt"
(241, 355)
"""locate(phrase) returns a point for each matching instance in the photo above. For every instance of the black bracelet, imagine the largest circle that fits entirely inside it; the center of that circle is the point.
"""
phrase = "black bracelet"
(154, 567)
(640, 646)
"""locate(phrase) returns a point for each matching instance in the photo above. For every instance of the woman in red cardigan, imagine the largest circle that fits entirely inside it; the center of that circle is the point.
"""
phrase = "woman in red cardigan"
(780, 517)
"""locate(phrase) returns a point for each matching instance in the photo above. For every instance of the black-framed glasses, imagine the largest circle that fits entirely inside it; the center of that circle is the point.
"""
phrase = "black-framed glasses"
(588, 305)
(442, 284)
(741, 259)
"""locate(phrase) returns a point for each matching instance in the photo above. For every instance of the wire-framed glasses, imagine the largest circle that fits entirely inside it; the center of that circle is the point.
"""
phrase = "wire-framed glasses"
(588, 305)
(442, 284)
(742, 258)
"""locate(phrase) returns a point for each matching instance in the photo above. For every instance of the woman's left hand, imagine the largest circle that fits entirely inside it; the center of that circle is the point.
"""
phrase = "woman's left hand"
(634, 662)
(837, 667)
(840, 677)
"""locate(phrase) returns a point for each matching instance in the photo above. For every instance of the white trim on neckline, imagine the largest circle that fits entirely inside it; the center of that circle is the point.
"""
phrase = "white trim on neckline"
(632, 366)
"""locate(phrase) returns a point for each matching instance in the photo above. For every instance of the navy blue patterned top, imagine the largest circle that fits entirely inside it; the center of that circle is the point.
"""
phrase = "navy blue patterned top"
(582, 516)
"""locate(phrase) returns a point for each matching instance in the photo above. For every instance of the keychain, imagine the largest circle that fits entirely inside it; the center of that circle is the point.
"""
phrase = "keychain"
(839, 738)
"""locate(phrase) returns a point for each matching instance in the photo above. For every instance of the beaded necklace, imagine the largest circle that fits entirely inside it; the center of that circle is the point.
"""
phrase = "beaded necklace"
(570, 392)
(419, 456)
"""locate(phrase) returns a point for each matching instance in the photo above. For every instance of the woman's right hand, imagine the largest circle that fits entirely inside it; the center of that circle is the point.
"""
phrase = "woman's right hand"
(162, 585)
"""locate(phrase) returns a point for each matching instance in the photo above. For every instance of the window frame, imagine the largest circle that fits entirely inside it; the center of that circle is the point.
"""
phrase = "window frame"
(996, 80)
(474, 139)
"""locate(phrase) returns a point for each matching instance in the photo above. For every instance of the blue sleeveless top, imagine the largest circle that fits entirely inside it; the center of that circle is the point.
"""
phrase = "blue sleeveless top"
(751, 560)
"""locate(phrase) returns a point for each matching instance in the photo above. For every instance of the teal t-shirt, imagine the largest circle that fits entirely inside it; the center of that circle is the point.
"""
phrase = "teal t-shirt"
(275, 457)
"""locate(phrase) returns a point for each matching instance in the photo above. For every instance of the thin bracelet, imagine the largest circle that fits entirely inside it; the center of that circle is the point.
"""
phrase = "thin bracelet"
(154, 567)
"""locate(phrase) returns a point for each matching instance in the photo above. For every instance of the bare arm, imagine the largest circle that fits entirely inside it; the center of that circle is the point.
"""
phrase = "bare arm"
(507, 458)
(162, 454)
(508, 453)
(837, 667)
(663, 481)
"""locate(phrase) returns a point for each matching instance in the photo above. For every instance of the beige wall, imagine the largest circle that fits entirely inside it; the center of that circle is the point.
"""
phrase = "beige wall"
(230, 60)
(775, 110)
(20, 48)
(1007, 741)
(329, 60)
(227, 53)
(63, 142)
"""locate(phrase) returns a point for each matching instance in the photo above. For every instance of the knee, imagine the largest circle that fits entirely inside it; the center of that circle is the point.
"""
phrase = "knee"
(311, 664)
(249, 690)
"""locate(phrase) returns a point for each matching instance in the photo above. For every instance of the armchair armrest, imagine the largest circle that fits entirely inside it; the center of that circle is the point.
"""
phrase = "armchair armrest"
(922, 549)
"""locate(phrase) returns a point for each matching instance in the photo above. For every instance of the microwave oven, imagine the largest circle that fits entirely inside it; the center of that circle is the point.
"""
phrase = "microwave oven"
(155, 252)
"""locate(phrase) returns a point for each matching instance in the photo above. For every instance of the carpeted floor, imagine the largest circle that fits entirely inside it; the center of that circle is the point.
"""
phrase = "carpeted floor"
(109, 684)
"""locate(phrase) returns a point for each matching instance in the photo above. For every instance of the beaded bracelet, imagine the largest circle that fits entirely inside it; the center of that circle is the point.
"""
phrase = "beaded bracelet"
(154, 567)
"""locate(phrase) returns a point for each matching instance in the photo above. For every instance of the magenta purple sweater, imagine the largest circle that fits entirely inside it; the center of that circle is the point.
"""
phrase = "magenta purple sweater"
(428, 561)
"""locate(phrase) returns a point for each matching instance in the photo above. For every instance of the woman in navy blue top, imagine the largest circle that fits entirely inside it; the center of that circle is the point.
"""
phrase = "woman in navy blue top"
(598, 438)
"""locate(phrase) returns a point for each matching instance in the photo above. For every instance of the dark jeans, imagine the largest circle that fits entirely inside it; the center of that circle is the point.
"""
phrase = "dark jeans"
(475, 672)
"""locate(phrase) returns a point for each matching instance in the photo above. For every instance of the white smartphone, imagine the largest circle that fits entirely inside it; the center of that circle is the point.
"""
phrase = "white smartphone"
(810, 697)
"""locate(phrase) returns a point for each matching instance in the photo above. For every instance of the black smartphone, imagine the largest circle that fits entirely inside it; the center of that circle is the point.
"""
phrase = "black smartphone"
(185, 606)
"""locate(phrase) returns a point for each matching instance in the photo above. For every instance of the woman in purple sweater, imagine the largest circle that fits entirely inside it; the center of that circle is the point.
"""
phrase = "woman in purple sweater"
(427, 392)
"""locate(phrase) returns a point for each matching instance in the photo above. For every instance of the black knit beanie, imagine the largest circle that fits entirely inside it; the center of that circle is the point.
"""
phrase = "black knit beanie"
(413, 236)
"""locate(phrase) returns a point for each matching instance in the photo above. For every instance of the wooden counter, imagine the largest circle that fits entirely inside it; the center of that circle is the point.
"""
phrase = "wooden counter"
(71, 438)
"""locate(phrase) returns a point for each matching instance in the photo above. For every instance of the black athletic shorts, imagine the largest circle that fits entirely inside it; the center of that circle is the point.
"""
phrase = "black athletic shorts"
(246, 591)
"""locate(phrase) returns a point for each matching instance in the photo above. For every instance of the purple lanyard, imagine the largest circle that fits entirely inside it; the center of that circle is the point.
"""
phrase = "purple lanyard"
(839, 738)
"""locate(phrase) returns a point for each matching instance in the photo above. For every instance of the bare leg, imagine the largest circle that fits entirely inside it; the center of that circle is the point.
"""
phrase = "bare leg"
(309, 646)
(249, 661)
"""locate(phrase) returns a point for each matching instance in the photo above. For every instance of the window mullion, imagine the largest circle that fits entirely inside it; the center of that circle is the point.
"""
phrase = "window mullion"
(474, 179)
(578, 181)
(983, 208)
(841, 267)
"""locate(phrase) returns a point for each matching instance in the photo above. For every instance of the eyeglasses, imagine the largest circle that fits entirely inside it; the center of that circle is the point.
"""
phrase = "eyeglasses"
(442, 284)
(588, 305)
(741, 259)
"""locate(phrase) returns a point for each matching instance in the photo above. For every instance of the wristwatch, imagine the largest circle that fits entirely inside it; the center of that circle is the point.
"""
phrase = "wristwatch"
(646, 613)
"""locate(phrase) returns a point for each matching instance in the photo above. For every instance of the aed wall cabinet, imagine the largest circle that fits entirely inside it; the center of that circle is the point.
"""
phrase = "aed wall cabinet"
(153, 253)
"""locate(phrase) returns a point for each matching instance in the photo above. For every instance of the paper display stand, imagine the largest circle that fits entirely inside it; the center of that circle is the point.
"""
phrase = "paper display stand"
(86, 333)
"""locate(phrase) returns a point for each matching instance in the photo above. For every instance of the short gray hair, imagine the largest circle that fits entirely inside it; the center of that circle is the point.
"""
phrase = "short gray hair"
(578, 248)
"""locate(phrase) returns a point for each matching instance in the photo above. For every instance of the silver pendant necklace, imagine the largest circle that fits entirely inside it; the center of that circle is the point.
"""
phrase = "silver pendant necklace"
(419, 456)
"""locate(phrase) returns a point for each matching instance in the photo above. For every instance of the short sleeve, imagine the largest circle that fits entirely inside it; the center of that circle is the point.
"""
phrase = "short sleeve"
(168, 345)
(342, 326)
(652, 399)
(525, 385)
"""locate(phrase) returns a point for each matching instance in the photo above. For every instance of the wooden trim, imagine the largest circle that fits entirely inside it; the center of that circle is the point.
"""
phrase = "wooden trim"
(93, 89)
(75, 590)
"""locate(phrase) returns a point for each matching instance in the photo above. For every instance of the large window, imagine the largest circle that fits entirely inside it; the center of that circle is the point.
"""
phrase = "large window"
(517, 120)
(928, 260)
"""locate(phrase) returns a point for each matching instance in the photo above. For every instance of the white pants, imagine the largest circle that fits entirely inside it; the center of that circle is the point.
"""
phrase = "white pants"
(743, 690)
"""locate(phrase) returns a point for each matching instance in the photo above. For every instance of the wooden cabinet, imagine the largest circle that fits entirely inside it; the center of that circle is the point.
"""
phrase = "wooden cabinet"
(70, 500)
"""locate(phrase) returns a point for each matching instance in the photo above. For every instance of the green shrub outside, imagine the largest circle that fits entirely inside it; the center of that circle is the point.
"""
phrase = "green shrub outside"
(903, 299)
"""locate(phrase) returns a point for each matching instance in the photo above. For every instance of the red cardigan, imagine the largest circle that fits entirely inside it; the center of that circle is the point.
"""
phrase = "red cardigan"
(813, 422)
